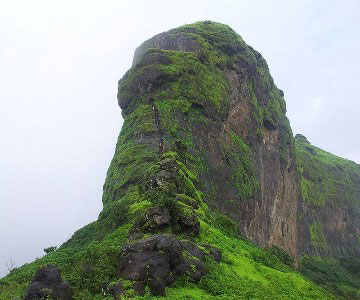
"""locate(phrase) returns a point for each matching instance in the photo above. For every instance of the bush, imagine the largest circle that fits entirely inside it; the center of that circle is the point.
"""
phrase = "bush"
(50, 249)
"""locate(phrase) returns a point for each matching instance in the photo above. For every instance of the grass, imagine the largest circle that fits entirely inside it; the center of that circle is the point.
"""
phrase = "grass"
(238, 276)
(245, 271)
(340, 276)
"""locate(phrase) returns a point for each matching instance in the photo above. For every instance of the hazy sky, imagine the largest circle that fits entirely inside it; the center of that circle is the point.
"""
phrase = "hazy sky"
(59, 66)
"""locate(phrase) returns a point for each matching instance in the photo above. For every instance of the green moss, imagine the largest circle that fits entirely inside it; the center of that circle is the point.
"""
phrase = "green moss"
(128, 166)
(257, 281)
(139, 206)
(219, 43)
(187, 200)
(170, 111)
(176, 191)
(326, 178)
(138, 123)
(240, 158)
(227, 225)
(273, 113)
(205, 83)
(317, 236)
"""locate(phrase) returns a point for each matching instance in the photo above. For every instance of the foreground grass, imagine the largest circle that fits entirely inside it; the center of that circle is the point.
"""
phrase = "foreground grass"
(245, 272)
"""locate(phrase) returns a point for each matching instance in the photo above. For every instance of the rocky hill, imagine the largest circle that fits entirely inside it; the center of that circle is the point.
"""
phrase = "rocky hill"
(209, 195)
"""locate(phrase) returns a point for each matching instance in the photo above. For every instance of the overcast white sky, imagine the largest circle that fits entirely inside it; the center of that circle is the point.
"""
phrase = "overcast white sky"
(59, 66)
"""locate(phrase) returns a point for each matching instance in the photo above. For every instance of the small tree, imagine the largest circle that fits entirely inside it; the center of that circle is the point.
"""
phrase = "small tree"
(50, 249)
(10, 265)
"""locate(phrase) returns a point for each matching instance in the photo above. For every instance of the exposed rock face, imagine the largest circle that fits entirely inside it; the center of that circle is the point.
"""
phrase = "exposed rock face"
(48, 283)
(201, 91)
(158, 261)
(269, 217)
(329, 211)
(181, 42)
(157, 217)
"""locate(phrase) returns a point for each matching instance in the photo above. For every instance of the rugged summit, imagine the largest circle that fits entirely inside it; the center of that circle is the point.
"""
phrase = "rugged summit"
(201, 92)
(209, 195)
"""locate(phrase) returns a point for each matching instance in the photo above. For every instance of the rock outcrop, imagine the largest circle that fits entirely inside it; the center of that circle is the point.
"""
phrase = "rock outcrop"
(201, 92)
(157, 262)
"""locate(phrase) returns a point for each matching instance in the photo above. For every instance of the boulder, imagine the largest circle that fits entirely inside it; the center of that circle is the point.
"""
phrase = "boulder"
(158, 261)
(117, 290)
(48, 283)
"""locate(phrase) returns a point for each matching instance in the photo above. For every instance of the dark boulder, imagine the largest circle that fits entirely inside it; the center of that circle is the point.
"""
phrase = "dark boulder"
(48, 283)
(158, 261)
(139, 287)
(116, 290)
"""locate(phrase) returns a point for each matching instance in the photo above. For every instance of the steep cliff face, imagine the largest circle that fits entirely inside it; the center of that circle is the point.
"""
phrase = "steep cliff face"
(329, 209)
(200, 91)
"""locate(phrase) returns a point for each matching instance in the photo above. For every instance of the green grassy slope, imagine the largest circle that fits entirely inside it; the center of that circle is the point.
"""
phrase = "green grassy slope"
(245, 272)
(326, 177)
(88, 261)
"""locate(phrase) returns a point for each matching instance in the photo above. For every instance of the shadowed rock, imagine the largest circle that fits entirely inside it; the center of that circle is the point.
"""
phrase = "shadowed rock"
(158, 261)
(48, 283)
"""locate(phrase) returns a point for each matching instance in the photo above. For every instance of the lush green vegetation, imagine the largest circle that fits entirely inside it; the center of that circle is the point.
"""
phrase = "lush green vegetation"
(245, 272)
(341, 277)
(317, 235)
(86, 268)
(326, 177)
(243, 170)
